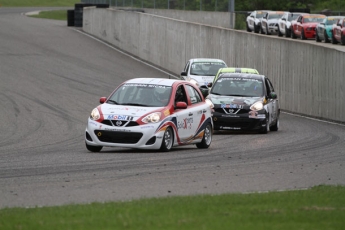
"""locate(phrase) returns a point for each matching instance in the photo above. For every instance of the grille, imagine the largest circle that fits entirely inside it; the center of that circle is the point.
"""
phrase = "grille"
(120, 123)
(231, 111)
(118, 137)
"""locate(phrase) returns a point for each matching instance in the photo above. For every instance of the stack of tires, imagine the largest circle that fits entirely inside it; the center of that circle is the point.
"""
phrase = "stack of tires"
(78, 13)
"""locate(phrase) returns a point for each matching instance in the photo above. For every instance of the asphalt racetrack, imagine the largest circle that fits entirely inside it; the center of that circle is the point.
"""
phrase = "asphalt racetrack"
(52, 76)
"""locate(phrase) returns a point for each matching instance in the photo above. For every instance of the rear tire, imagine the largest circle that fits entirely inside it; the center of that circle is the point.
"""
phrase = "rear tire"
(168, 140)
(94, 149)
(207, 138)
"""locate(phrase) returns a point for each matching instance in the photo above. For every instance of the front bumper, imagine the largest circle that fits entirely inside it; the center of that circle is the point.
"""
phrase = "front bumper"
(142, 136)
(244, 122)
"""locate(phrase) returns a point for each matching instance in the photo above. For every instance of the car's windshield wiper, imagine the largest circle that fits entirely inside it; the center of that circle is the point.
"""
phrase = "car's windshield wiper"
(113, 102)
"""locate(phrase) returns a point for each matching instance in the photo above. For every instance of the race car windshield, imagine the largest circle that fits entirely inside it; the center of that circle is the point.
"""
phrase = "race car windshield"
(274, 16)
(143, 95)
(206, 68)
(238, 86)
(331, 21)
(292, 17)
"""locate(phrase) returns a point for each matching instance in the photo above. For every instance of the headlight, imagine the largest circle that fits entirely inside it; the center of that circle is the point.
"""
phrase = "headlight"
(257, 106)
(209, 102)
(194, 82)
(95, 114)
(152, 118)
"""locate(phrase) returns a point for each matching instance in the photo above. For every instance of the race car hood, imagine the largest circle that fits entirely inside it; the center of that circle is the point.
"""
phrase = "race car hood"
(275, 20)
(234, 101)
(202, 80)
(124, 112)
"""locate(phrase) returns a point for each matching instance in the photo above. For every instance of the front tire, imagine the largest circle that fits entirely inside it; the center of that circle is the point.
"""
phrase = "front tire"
(92, 148)
(287, 33)
(275, 127)
(257, 28)
(303, 35)
(317, 38)
(168, 140)
(279, 33)
(266, 129)
(333, 40)
(248, 29)
(326, 37)
(293, 36)
(207, 138)
(342, 40)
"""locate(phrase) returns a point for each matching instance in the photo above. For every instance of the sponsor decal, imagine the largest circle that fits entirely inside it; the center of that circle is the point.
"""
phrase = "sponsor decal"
(119, 117)
(231, 106)
(118, 130)
(147, 127)
(185, 124)
(226, 115)
(166, 112)
(93, 123)
(230, 128)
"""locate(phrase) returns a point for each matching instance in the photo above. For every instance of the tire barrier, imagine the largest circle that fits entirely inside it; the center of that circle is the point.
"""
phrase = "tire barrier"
(70, 17)
(78, 12)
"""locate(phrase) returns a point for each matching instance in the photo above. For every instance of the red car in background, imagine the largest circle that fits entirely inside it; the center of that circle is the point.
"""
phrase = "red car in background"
(338, 32)
(304, 26)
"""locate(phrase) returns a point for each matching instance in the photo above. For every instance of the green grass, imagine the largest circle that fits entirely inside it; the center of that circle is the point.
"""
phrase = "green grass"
(55, 14)
(322, 207)
(31, 3)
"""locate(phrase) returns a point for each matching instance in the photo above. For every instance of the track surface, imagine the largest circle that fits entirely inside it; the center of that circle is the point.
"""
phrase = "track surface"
(52, 76)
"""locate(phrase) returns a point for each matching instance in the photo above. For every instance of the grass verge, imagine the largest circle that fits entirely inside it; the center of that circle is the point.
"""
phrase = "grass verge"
(32, 3)
(54, 14)
(321, 207)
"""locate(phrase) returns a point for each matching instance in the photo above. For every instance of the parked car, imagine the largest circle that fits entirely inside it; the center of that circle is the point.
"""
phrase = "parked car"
(304, 26)
(150, 113)
(338, 32)
(201, 71)
(244, 102)
(324, 29)
(269, 22)
(284, 23)
(253, 20)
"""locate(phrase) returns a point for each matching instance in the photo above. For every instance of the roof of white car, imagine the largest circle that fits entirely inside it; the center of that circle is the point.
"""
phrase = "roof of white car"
(153, 81)
(206, 60)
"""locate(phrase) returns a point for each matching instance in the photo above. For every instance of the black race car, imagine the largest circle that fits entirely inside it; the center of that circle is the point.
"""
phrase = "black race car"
(244, 102)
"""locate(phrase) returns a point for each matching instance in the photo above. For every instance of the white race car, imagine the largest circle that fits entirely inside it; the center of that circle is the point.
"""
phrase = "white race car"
(201, 71)
(150, 113)
(284, 23)
(253, 20)
(269, 23)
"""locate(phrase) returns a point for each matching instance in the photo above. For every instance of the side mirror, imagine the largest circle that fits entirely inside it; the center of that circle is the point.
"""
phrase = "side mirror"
(181, 105)
(209, 85)
(284, 19)
(102, 100)
(183, 73)
(273, 95)
(322, 23)
(204, 91)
